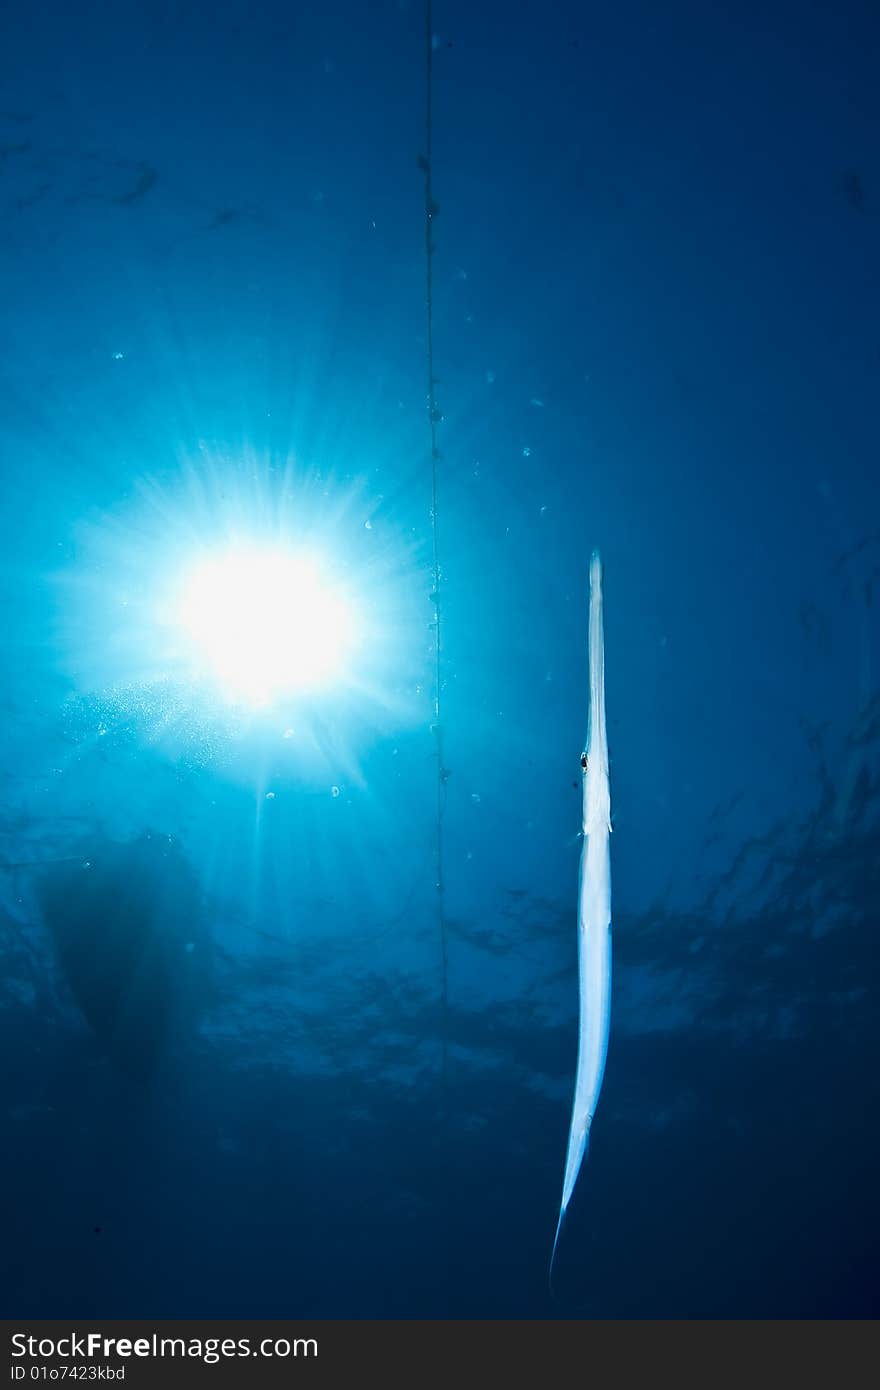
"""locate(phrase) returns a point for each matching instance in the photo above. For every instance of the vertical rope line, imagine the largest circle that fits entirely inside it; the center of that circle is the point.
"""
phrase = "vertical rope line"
(434, 417)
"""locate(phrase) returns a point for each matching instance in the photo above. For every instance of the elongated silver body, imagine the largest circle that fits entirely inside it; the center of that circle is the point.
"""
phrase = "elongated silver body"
(594, 909)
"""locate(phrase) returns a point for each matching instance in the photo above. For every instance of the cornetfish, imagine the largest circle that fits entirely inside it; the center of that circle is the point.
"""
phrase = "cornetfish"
(594, 910)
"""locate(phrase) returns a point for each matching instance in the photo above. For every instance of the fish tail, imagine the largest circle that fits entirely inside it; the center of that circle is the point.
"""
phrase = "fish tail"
(559, 1224)
(567, 1189)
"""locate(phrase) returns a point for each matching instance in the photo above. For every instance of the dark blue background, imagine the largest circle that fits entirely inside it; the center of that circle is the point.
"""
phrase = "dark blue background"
(656, 332)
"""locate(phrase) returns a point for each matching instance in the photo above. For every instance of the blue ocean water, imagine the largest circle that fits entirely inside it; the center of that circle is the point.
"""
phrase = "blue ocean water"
(655, 310)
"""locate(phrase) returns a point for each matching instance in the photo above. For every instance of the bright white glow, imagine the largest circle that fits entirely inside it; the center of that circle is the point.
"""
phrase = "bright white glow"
(265, 623)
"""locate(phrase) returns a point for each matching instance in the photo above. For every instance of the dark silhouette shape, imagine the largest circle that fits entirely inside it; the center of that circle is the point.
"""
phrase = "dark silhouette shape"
(145, 181)
(125, 923)
(853, 190)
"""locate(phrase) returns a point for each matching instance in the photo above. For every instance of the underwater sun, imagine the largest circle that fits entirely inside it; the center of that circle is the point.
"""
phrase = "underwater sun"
(235, 600)
(266, 622)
